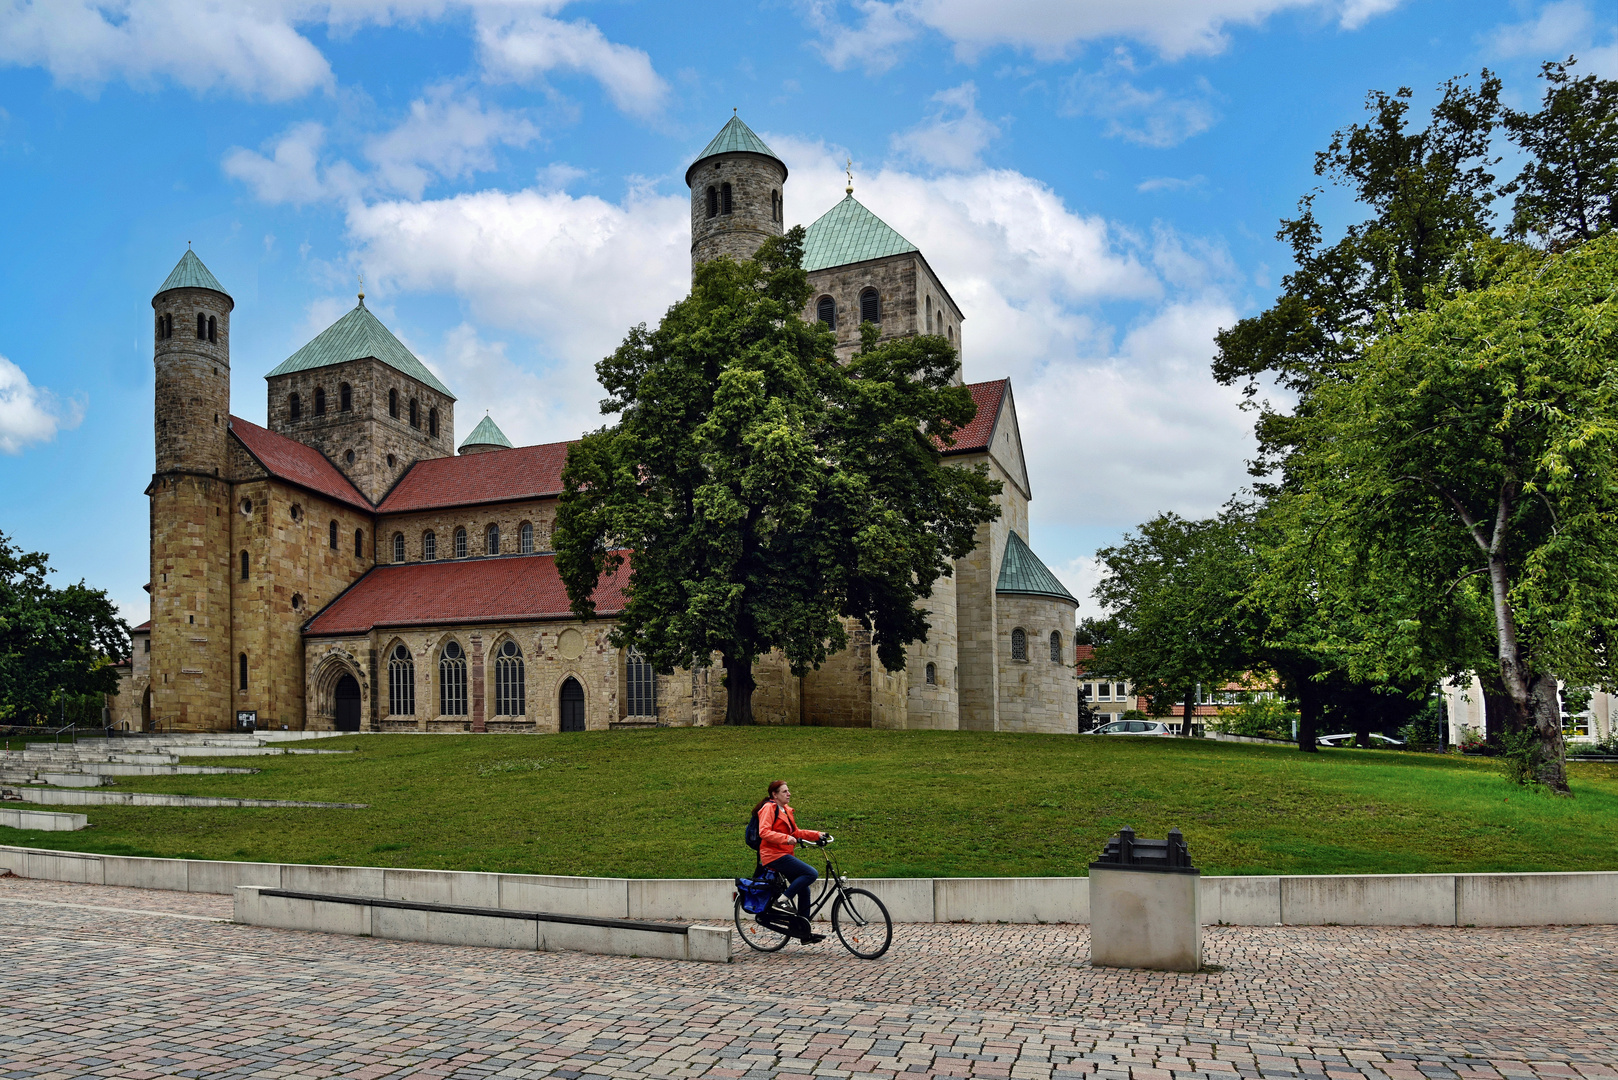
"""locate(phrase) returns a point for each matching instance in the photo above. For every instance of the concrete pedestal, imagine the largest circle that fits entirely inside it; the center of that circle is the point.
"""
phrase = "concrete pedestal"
(1145, 919)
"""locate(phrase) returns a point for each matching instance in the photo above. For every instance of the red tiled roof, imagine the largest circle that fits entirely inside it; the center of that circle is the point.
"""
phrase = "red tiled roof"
(501, 589)
(526, 472)
(147, 625)
(976, 435)
(292, 461)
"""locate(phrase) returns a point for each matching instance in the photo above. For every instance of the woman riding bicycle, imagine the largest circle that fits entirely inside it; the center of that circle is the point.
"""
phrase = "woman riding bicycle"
(777, 835)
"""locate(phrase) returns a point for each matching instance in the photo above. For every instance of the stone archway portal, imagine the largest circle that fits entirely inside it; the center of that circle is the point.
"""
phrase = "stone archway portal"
(572, 705)
(347, 697)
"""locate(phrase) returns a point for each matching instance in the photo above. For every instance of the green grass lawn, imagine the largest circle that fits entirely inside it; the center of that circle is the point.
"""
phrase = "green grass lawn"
(673, 803)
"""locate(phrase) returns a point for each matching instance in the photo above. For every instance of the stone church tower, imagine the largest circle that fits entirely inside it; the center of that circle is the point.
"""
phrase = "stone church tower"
(737, 190)
(190, 500)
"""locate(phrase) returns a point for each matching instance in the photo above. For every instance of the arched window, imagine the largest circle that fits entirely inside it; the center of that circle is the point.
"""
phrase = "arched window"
(429, 546)
(244, 566)
(401, 682)
(294, 407)
(415, 414)
(168, 325)
(932, 674)
(432, 422)
(775, 205)
(212, 330)
(509, 696)
(491, 540)
(870, 306)
(452, 681)
(826, 311)
(1056, 646)
(160, 328)
(241, 672)
(398, 547)
(345, 397)
(713, 202)
(460, 542)
(297, 601)
(202, 327)
(320, 401)
(525, 538)
(949, 332)
(642, 685)
(1019, 644)
(359, 543)
(725, 204)
(393, 404)
(332, 531)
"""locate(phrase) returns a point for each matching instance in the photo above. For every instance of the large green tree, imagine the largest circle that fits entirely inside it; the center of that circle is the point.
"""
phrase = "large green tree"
(762, 491)
(1567, 191)
(56, 644)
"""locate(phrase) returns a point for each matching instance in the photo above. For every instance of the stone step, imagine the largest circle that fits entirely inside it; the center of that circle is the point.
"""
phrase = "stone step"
(119, 768)
(52, 778)
(47, 757)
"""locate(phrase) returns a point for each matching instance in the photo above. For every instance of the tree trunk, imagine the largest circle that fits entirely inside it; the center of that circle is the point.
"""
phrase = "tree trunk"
(1310, 701)
(739, 686)
(1190, 708)
(1545, 703)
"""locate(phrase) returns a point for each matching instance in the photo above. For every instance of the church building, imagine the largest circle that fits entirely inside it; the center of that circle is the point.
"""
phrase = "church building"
(348, 567)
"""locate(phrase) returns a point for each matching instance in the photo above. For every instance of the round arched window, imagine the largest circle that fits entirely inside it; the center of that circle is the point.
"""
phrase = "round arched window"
(297, 601)
(297, 511)
(349, 457)
(247, 506)
(826, 311)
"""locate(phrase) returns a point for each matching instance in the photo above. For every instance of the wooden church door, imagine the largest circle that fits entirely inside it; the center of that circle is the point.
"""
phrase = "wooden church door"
(348, 704)
(572, 705)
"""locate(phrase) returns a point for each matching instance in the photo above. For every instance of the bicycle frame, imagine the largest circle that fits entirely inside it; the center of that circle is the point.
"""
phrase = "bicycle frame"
(831, 883)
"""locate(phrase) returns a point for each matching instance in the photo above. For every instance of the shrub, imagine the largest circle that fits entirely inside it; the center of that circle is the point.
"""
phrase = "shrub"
(1520, 757)
(1257, 718)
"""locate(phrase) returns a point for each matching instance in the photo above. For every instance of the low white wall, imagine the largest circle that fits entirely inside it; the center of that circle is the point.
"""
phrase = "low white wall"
(1347, 899)
(41, 820)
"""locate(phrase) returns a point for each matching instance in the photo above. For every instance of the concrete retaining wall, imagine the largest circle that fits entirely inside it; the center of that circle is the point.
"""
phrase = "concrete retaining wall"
(1347, 900)
(42, 820)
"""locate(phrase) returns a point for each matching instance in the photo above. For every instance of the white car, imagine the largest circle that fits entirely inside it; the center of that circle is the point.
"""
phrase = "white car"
(1347, 739)
(1133, 727)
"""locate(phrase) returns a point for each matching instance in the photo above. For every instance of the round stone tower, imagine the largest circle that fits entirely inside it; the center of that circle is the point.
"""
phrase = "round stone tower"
(738, 190)
(190, 502)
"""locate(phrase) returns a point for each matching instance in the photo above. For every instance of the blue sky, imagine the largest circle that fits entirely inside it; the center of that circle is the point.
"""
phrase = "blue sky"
(1098, 185)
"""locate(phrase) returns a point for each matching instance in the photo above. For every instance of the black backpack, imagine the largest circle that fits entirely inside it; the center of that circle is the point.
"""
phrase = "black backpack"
(751, 835)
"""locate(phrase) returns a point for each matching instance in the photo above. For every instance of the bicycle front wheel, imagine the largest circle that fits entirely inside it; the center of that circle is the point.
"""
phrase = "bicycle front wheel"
(756, 934)
(862, 924)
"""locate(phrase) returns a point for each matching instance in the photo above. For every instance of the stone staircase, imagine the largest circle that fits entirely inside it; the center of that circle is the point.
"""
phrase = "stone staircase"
(96, 762)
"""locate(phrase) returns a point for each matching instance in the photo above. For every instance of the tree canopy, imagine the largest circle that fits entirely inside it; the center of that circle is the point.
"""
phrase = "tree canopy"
(763, 492)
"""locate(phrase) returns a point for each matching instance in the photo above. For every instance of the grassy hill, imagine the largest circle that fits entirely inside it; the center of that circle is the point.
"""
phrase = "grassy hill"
(673, 803)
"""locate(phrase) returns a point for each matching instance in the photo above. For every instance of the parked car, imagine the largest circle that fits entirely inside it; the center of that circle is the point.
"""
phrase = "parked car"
(1133, 727)
(1347, 739)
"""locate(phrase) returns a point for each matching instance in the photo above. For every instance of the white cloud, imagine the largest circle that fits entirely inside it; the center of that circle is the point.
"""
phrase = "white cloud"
(445, 135)
(1081, 575)
(1050, 29)
(1559, 29)
(1154, 118)
(521, 47)
(954, 135)
(290, 170)
(28, 413)
(1172, 183)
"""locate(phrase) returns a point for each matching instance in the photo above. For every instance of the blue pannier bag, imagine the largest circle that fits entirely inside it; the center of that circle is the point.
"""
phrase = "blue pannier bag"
(756, 895)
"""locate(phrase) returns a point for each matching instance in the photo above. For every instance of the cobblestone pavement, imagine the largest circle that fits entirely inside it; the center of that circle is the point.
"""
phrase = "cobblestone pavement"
(129, 983)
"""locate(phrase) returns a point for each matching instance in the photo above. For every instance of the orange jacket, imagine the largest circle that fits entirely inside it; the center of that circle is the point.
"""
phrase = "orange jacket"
(776, 828)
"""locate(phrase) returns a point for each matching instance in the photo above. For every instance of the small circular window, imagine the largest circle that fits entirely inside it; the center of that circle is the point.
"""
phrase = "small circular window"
(247, 506)
(297, 511)
(297, 601)
(392, 461)
(349, 457)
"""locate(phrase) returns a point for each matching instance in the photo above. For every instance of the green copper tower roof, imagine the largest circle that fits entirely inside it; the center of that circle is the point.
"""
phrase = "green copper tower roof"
(849, 233)
(355, 336)
(189, 273)
(734, 138)
(487, 433)
(1022, 572)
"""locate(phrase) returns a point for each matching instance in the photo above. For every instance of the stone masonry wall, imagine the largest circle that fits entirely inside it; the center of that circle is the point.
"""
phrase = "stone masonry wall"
(908, 292)
(1037, 694)
(192, 394)
(541, 513)
(190, 567)
(936, 706)
(977, 574)
(752, 177)
(383, 447)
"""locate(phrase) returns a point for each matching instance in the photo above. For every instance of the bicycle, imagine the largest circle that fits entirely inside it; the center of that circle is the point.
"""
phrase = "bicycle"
(858, 918)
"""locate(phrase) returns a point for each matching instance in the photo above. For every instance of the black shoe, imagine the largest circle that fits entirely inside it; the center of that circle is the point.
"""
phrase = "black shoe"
(813, 939)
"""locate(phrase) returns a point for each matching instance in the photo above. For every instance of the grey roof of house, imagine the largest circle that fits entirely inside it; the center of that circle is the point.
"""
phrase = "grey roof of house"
(1022, 572)
(189, 273)
(849, 233)
(356, 336)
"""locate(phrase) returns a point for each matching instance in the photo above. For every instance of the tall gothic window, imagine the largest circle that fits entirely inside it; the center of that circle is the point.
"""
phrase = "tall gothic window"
(525, 538)
(345, 397)
(415, 414)
(332, 535)
(294, 407)
(244, 566)
(491, 541)
(642, 685)
(359, 543)
(432, 422)
(213, 330)
(932, 674)
(1019, 644)
(460, 542)
(398, 547)
(775, 205)
(320, 401)
(401, 682)
(509, 696)
(393, 404)
(826, 311)
(1056, 646)
(725, 204)
(870, 306)
(452, 680)
(429, 546)
(202, 327)
(713, 202)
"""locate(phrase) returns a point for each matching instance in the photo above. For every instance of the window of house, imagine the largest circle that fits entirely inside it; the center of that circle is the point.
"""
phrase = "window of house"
(725, 205)
(510, 699)
(320, 401)
(525, 538)
(146, 645)
(294, 407)
(432, 422)
(359, 543)
(1088, 691)
(775, 205)
(202, 327)
(429, 546)
(826, 311)
(393, 404)
(460, 543)
(932, 674)
(1019, 644)
(244, 566)
(398, 547)
(213, 333)
(491, 540)
(713, 202)
(345, 397)
(452, 680)
(415, 414)
(641, 685)
(241, 672)
(401, 682)
(332, 535)
(870, 306)
(1056, 647)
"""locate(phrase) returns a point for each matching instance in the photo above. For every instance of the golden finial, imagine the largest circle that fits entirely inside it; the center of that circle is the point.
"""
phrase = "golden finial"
(850, 188)
(362, 288)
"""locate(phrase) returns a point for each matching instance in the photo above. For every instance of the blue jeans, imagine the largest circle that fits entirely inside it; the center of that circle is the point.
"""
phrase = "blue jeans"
(798, 875)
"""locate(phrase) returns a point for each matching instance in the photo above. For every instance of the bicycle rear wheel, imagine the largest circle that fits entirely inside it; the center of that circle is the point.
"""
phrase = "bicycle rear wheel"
(756, 934)
(861, 923)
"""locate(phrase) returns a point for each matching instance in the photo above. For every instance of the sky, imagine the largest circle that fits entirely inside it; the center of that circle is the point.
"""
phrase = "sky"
(1097, 184)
